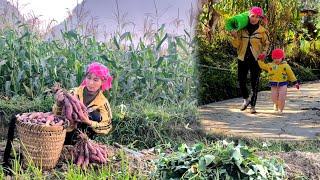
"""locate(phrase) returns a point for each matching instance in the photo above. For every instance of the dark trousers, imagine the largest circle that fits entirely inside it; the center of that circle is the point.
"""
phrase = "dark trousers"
(249, 64)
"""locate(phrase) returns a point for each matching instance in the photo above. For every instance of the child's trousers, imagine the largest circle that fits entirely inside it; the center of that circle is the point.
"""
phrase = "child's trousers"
(278, 95)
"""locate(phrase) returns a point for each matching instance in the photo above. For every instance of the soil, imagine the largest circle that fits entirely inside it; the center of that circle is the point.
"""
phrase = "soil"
(300, 119)
(299, 165)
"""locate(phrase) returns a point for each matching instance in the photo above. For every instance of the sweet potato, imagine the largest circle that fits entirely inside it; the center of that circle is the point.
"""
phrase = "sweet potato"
(68, 109)
(33, 115)
(78, 103)
(80, 158)
(91, 148)
(86, 156)
(49, 117)
(103, 152)
(74, 105)
(75, 117)
(94, 158)
(101, 157)
(48, 123)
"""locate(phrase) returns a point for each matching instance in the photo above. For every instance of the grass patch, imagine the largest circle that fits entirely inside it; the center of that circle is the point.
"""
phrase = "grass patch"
(71, 171)
(145, 125)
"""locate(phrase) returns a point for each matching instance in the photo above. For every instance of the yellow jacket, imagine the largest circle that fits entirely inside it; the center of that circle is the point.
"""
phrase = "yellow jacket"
(278, 72)
(259, 42)
(99, 103)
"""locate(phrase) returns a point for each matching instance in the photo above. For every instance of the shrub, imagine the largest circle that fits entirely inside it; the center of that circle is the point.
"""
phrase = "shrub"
(221, 160)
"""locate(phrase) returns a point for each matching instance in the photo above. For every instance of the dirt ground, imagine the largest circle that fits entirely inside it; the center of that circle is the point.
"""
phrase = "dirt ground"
(299, 121)
(299, 165)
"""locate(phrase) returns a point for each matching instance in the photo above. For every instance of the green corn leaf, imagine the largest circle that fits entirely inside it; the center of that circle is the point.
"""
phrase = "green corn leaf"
(116, 43)
(126, 35)
(181, 44)
(28, 90)
(159, 62)
(162, 40)
(112, 62)
(3, 62)
(7, 88)
(72, 34)
(187, 33)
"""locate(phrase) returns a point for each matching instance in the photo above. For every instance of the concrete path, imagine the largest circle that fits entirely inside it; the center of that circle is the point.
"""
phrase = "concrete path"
(300, 119)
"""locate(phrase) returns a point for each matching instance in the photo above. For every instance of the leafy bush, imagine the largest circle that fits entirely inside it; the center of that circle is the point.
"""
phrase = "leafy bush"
(221, 160)
(216, 72)
(303, 74)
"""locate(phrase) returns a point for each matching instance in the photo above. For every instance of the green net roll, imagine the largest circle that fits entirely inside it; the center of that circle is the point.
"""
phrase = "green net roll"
(237, 22)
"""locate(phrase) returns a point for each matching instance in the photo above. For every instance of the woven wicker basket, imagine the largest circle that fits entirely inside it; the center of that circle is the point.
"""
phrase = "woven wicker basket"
(41, 144)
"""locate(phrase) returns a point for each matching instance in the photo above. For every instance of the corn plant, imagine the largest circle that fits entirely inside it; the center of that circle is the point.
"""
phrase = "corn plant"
(159, 69)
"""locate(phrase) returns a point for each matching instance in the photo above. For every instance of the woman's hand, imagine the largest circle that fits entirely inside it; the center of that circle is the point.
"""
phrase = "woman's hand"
(261, 56)
(234, 33)
(87, 121)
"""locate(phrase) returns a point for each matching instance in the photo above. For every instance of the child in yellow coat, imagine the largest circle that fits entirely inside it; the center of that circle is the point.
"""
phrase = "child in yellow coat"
(279, 73)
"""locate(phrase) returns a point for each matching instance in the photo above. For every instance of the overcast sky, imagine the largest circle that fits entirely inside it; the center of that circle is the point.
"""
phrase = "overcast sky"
(46, 10)
(103, 11)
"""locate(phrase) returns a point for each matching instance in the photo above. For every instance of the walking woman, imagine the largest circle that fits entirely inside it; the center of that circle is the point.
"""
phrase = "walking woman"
(251, 42)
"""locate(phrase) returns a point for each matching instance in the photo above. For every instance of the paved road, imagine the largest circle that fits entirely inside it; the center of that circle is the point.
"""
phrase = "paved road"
(300, 120)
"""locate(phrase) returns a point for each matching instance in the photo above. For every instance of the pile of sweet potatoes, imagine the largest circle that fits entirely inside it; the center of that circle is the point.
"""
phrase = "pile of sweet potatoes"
(41, 118)
(86, 151)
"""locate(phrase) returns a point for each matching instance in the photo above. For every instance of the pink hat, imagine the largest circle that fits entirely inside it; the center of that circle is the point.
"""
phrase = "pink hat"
(277, 54)
(258, 11)
(101, 71)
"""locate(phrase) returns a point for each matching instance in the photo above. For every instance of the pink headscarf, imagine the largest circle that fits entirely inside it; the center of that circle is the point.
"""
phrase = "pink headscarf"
(101, 71)
(259, 12)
